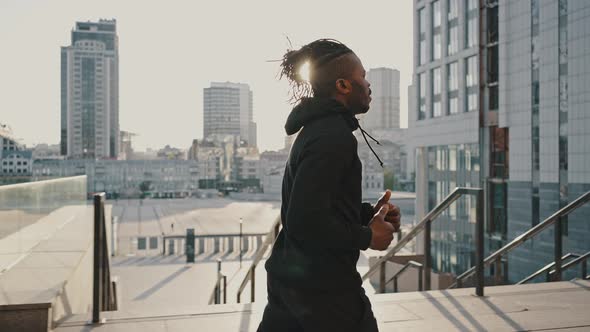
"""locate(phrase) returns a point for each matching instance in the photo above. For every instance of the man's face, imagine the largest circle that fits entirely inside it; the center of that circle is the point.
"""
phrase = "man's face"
(360, 97)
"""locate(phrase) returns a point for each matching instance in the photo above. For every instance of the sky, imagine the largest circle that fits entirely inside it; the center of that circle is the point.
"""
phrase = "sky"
(170, 50)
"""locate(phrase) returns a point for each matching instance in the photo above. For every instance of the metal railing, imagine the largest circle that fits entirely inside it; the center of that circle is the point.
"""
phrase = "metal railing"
(104, 295)
(425, 225)
(200, 238)
(554, 219)
(216, 295)
(579, 260)
(546, 269)
(383, 283)
(251, 275)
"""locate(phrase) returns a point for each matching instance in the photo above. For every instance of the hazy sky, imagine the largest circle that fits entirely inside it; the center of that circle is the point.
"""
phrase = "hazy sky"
(170, 50)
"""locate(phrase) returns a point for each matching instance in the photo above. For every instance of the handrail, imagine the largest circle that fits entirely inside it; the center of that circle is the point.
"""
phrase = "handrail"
(215, 297)
(556, 217)
(402, 270)
(425, 223)
(104, 296)
(250, 276)
(581, 259)
(545, 269)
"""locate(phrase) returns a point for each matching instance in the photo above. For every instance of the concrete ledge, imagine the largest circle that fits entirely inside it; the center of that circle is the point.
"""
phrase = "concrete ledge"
(56, 270)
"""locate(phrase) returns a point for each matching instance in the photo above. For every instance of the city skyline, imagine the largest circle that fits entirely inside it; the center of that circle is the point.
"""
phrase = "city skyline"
(183, 55)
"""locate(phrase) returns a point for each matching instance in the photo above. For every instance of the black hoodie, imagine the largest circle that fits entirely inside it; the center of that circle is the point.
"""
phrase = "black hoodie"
(324, 222)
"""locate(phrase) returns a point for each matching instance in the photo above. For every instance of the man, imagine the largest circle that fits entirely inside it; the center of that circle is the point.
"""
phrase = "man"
(313, 284)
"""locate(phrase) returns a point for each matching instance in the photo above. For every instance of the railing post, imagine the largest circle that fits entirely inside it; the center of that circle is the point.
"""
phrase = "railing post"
(252, 283)
(479, 268)
(498, 271)
(218, 287)
(420, 285)
(97, 272)
(224, 289)
(557, 250)
(584, 269)
(395, 285)
(382, 277)
(427, 255)
(240, 243)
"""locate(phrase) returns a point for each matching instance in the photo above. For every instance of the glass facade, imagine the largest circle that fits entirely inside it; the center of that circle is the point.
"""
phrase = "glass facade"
(452, 88)
(436, 92)
(451, 166)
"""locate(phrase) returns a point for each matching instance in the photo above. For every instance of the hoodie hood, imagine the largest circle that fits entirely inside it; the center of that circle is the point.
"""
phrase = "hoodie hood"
(311, 109)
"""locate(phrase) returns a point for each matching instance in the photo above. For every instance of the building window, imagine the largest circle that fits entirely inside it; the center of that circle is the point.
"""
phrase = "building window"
(422, 36)
(471, 28)
(436, 33)
(436, 92)
(471, 84)
(453, 88)
(422, 96)
(453, 27)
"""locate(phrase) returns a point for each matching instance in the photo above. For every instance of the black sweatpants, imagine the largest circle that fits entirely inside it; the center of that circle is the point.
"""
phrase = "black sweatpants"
(291, 310)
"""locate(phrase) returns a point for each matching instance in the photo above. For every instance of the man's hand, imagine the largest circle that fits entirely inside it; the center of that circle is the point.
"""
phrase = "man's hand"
(393, 215)
(382, 230)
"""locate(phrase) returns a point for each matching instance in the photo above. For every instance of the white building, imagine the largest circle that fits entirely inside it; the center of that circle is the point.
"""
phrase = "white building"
(228, 110)
(15, 161)
(385, 107)
(90, 92)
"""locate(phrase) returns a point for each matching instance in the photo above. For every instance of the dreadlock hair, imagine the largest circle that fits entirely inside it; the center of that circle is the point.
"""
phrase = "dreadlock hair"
(323, 70)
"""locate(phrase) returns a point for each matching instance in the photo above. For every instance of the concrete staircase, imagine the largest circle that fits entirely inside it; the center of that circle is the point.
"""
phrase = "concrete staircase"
(534, 307)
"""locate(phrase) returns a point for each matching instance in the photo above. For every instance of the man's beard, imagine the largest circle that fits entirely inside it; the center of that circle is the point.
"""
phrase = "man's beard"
(358, 93)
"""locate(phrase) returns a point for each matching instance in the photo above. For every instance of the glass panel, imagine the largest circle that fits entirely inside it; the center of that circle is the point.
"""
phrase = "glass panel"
(141, 243)
(453, 9)
(27, 206)
(436, 14)
(153, 242)
(436, 47)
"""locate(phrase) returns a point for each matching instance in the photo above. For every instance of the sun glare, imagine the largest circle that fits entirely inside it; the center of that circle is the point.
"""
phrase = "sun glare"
(304, 71)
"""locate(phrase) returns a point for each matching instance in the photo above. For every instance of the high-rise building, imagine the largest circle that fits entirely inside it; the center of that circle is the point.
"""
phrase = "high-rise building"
(228, 110)
(384, 112)
(500, 105)
(90, 92)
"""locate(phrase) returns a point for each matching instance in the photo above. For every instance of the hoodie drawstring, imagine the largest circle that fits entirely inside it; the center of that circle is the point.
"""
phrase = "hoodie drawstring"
(370, 147)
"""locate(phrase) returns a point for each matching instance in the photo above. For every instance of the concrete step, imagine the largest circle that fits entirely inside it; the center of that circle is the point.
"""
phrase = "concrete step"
(534, 307)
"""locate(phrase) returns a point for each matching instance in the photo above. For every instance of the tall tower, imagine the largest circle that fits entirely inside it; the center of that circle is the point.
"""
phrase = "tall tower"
(384, 112)
(90, 92)
(228, 110)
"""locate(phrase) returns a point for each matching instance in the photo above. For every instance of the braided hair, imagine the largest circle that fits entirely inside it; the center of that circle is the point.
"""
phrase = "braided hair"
(318, 54)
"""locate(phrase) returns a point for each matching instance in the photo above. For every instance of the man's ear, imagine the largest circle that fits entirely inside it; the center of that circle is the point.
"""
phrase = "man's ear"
(343, 86)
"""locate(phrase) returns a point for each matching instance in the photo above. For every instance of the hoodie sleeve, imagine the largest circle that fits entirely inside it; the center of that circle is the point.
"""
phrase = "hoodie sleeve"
(310, 216)
(367, 213)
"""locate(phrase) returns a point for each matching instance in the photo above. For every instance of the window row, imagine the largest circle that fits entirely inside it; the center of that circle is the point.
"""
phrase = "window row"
(452, 29)
(452, 89)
